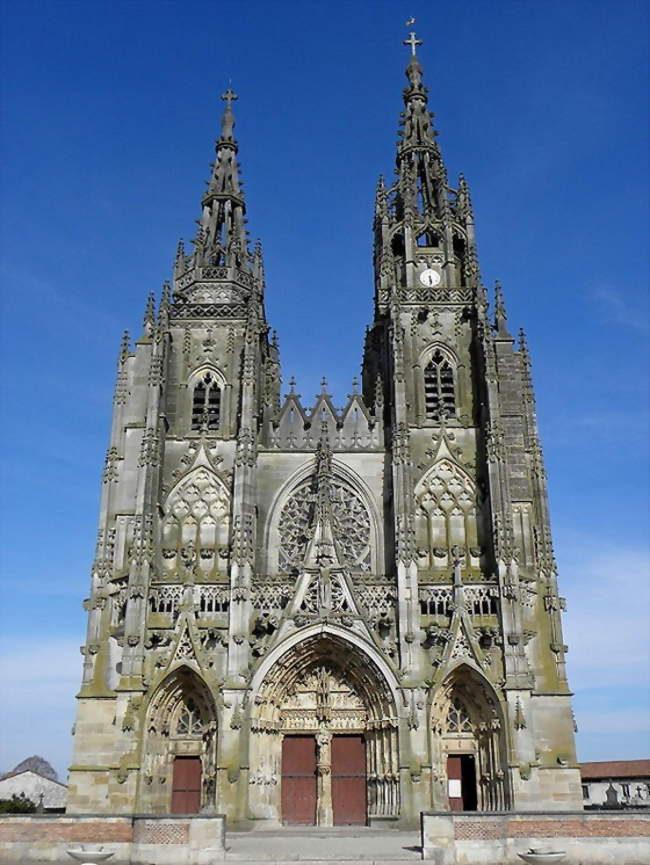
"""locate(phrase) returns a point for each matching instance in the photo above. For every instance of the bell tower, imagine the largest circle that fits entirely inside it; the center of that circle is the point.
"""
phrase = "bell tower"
(469, 523)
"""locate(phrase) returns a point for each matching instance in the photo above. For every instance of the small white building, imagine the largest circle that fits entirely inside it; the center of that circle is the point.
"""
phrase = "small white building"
(616, 783)
(33, 786)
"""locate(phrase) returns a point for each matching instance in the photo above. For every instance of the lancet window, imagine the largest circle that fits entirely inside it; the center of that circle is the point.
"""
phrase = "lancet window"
(188, 722)
(428, 238)
(206, 403)
(439, 388)
(458, 720)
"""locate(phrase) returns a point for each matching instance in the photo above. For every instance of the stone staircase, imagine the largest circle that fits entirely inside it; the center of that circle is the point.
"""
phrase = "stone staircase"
(314, 846)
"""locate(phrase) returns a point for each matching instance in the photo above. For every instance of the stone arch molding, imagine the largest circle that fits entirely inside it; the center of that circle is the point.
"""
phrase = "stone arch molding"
(467, 717)
(354, 517)
(195, 527)
(446, 351)
(200, 370)
(324, 684)
(180, 719)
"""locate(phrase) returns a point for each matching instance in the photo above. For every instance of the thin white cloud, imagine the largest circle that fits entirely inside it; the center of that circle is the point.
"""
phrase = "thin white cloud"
(618, 309)
(606, 626)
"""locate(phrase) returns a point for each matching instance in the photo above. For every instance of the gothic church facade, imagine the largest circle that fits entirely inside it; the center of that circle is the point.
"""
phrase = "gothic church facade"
(321, 615)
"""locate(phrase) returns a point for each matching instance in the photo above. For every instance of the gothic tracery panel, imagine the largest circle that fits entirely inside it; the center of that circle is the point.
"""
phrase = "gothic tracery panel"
(350, 524)
(447, 515)
(196, 525)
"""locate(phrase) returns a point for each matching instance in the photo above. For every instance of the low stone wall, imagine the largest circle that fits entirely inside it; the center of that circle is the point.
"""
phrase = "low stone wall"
(587, 838)
(137, 840)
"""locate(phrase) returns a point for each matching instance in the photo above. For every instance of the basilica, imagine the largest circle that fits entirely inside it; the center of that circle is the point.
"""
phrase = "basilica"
(325, 615)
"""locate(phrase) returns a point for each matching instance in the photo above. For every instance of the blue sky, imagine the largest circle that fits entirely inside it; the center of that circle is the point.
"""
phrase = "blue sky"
(111, 109)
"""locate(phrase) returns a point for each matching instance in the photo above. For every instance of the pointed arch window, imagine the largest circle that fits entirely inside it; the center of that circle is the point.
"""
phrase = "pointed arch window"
(189, 720)
(458, 720)
(439, 390)
(206, 403)
(428, 238)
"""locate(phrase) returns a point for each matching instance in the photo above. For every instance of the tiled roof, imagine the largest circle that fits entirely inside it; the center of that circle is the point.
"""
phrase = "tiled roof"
(615, 769)
(30, 772)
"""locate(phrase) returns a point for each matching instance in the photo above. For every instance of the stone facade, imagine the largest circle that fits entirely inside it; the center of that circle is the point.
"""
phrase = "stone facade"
(382, 572)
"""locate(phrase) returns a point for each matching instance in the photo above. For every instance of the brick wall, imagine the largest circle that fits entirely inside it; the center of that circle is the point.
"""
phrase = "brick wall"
(160, 840)
(554, 827)
(596, 838)
(83, 830)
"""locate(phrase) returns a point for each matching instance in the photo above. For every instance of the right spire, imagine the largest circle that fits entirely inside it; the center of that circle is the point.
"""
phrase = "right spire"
(424, 231)
(418, 131)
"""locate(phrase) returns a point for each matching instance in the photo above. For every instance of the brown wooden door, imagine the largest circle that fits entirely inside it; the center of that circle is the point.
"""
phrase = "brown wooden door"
(349, 780)
(454, 780)
(186, 785)
(299, 779)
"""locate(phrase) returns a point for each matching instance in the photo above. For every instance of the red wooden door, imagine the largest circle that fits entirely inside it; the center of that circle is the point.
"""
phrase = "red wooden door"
(349, 780)
(299, 779)
(186, 785)
(454, 780)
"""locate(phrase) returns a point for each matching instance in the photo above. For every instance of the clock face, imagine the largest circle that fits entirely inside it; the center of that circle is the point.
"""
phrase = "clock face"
(430, 277)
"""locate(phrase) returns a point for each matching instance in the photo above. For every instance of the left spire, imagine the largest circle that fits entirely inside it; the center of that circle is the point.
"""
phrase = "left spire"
(221, 267)
(221, 236)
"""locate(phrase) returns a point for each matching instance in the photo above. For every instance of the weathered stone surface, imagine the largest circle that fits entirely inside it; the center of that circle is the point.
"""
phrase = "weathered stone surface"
(382, 570)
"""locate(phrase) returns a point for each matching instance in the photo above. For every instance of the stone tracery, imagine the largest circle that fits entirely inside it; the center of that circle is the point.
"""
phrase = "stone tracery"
(447, 514)
(350, 524)
(196, 525)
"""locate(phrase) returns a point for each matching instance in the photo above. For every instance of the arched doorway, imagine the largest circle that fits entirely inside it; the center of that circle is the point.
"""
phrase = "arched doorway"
(178, 767)
(324, 737)
(468, 744)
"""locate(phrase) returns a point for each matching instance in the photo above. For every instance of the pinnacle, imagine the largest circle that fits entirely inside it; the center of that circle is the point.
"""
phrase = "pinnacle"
(292, 388)
(163, 309)
(500, 314)
(124, 346)
(149, 312)
(523, 342)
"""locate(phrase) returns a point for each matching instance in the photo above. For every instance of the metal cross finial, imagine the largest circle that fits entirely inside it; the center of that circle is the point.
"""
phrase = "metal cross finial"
(230, 96)
(412, 41)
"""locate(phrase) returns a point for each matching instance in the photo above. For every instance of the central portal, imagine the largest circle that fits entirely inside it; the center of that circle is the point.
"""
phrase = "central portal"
(324, 739)
(324, 780)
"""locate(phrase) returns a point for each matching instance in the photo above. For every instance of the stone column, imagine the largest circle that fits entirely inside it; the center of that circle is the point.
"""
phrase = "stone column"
(324, 811)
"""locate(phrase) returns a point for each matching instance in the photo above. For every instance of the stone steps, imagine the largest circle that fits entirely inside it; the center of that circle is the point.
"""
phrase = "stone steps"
(336, 861)
(318, 846)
